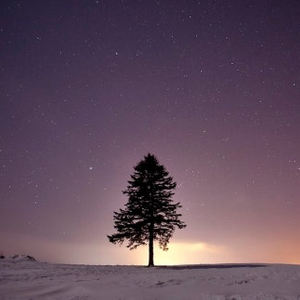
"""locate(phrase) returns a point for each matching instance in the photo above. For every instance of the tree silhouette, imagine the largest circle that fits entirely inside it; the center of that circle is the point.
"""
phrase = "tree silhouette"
(150, 213)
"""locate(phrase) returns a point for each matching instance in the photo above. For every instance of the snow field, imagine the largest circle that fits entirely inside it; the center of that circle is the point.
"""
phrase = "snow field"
(37, 280)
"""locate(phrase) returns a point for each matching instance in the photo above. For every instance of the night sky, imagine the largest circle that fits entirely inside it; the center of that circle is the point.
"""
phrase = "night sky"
(212, 88)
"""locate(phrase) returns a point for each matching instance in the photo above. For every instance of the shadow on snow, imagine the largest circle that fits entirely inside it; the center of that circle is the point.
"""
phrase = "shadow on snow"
(214, 266)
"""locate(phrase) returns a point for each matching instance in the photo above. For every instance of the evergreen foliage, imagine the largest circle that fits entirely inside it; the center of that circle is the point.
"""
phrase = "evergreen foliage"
(150, 213)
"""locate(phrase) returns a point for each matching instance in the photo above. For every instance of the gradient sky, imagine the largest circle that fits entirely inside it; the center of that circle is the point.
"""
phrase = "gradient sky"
(212, 88)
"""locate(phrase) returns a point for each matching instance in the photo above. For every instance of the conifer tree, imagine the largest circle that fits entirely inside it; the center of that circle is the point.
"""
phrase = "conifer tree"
(150, 213)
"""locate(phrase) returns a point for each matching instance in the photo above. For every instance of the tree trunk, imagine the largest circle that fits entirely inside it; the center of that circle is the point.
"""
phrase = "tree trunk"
(151, 251)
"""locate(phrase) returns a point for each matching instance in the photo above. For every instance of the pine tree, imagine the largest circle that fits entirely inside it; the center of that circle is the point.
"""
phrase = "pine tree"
(150, 213)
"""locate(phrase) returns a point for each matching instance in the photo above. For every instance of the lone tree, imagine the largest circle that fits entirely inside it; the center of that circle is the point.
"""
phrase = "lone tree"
(150, 213)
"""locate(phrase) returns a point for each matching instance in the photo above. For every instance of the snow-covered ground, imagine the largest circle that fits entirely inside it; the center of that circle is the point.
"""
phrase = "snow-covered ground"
(25, 279)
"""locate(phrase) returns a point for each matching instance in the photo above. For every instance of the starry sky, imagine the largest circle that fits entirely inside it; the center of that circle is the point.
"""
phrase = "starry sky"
(212, 88)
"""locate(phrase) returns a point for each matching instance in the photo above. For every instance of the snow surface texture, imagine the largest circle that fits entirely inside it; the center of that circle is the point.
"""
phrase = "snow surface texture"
(26, 279)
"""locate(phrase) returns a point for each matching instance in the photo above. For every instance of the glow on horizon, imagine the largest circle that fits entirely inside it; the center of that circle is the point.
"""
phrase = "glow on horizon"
(188, 253)
(179, 253)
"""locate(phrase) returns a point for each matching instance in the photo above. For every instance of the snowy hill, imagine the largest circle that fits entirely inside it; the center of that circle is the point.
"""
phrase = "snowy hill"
(18, 258)
(27, 279)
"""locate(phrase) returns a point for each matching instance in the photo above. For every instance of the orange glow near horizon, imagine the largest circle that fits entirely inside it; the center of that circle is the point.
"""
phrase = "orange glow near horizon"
(181, 253)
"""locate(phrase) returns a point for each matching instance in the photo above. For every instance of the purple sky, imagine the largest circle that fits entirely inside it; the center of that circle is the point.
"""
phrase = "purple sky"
(212, 88)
